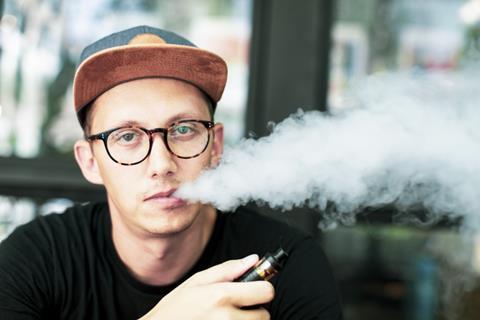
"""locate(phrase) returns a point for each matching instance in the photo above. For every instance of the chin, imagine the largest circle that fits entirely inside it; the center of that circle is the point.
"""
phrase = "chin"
(168, 222)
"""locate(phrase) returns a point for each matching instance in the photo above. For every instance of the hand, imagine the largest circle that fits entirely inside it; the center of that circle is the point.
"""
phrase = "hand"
(211, 294)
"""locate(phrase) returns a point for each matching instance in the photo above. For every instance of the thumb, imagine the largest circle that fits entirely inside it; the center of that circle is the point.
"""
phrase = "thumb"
(226, 271)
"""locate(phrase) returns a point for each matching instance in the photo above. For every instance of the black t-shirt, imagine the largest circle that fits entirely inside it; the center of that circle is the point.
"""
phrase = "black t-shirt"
(64, 266)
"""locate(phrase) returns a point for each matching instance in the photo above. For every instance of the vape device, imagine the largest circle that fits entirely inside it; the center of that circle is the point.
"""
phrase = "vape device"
(266, 268)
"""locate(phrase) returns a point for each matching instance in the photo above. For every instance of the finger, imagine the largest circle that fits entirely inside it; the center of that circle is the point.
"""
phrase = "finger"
(226, 271)
(244, 294)
(251, 314)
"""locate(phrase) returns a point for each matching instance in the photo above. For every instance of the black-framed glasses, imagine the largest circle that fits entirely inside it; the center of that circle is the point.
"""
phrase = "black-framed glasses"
(131, 145)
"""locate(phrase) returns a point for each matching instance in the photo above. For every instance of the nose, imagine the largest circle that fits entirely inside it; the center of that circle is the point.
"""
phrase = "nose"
(160, 162)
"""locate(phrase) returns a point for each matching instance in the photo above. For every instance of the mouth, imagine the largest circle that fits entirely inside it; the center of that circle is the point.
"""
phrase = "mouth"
(166, 199)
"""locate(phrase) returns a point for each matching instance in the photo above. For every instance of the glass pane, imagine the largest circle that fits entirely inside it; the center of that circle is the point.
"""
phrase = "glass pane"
(41, 42)
(40, 45)
(372, 36)
(15, 211)
(402, 270)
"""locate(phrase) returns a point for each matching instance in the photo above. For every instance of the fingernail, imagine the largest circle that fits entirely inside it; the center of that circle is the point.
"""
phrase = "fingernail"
(249, 260)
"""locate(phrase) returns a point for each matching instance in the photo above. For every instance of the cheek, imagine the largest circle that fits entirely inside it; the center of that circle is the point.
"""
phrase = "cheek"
(120, 181)
(190, 169)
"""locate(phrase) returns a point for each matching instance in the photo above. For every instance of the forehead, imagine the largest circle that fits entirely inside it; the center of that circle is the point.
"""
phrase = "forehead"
(150, 102)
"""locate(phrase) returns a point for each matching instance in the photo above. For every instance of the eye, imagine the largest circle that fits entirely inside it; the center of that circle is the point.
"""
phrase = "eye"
(185, 131)
(182, 130)
(127, 136)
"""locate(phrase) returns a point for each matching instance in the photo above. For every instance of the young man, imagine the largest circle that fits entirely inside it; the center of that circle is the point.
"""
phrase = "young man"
(145, 98)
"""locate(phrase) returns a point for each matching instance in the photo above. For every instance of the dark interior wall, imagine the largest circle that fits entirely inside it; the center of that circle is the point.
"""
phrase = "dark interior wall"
(289, 60)
(289, 63)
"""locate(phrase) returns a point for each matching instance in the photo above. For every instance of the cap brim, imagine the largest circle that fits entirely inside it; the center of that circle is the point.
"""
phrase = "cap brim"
(108, 68)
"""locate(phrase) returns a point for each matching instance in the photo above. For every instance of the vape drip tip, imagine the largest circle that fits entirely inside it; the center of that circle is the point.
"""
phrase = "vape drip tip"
(266, 268)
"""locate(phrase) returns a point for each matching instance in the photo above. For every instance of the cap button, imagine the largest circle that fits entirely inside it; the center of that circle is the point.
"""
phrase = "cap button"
(146, 38)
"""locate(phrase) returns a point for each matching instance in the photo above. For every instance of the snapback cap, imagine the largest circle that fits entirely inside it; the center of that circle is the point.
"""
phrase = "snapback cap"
(145, 52)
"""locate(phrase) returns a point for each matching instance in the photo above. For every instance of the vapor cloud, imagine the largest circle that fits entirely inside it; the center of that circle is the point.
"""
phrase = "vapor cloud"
(407, 139)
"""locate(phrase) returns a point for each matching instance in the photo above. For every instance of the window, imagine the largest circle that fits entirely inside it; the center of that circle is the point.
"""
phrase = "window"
(40, 44)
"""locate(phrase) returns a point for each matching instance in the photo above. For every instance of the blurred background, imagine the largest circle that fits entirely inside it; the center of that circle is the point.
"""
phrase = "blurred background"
(282, 55)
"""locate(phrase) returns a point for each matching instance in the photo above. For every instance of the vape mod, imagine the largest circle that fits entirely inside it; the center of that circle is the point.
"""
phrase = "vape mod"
(266, 268)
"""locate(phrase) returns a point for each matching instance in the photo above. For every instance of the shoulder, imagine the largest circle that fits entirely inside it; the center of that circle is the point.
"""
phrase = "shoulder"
(45, 233)
(52, 226)
(32, 257)
(305, 288)
(248, 217)
(247, 228)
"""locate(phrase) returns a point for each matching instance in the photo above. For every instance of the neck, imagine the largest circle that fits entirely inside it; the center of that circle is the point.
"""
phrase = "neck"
(159, 259)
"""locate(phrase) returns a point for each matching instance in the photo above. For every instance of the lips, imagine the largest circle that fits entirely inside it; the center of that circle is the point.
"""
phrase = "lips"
(163, 194)
(165, 199)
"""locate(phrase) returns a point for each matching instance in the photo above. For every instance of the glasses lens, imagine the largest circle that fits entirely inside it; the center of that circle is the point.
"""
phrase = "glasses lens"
(128, 145)
(187, 139)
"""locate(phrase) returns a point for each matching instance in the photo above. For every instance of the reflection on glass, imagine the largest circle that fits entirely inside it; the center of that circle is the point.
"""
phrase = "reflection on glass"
(399, 270)
(17, 211)
(373, 36)
(41, 42)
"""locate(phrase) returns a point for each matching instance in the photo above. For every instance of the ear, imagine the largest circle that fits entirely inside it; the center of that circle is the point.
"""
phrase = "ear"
(217, 145)
(87, 162)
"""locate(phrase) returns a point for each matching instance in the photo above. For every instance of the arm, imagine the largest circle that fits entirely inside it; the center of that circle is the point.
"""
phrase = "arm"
(211, 295)
(306, 288)
(22, 291)
(13, 304)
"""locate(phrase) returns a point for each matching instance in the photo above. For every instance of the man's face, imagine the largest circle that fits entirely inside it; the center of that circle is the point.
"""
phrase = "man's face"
(138, 194)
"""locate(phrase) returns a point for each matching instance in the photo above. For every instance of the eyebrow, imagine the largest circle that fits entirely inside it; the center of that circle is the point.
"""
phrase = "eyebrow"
(129, 123)
(170, 121)
(184, 116)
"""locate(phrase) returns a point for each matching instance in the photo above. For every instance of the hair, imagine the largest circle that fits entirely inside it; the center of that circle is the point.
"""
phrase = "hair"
(84, 115)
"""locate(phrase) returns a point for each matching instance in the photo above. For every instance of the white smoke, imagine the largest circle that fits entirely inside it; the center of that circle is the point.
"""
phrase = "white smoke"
(409, 139)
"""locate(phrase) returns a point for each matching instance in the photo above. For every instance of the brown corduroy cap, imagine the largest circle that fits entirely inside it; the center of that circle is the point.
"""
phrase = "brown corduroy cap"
(145, 52)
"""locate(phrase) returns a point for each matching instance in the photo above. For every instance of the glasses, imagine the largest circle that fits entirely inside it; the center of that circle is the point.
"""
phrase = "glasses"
(131, 145)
